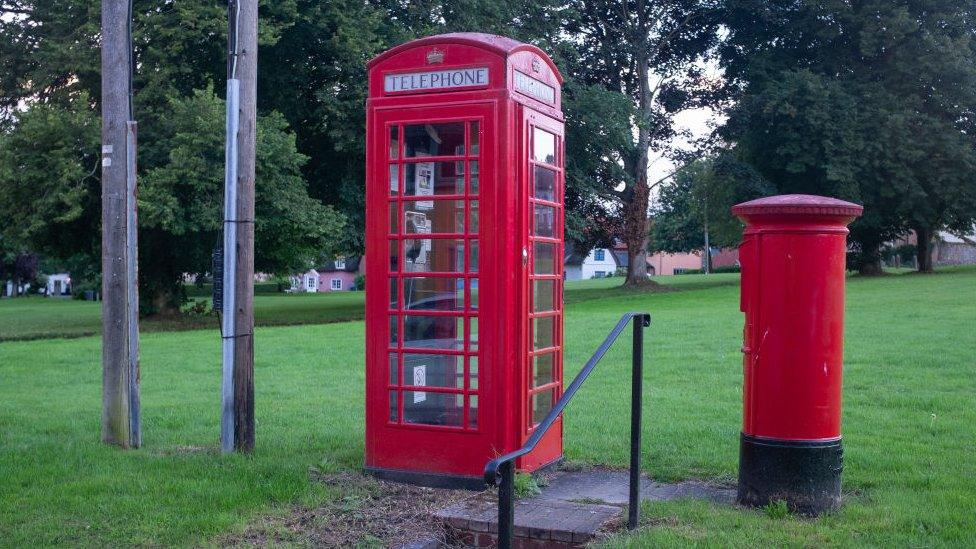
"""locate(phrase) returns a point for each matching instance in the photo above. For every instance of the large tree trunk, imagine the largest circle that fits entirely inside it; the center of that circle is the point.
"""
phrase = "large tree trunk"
(870, 267)
(636, 230)
(923, 249)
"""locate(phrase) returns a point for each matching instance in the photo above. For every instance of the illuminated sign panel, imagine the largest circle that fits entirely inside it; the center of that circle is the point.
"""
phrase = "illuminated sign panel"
(535, 88)
(436, 80)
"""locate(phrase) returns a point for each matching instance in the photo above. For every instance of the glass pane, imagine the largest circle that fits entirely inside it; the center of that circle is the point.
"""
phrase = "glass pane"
(474, 176)
(394, 256)
(432, 408)
(473, 411)
(544, 183)
(433, 178)
(433, 294)
(426, 255)
(433, 139)
(428, 370)
(473, 373)
(544, 258)
(394, 142)
(393, 331)
(544, 147)
(394, 380)
(473, 337)
(433, 332)
(542, 295)
(473, 261)
(473, 223)
(541, 404)
(394, 179)
(473, 291)
(474, 137)
(393, 217)
(544, 333)
(543, 369)
(433, 216)
(393, 294)
(544, 221)
(393, 406)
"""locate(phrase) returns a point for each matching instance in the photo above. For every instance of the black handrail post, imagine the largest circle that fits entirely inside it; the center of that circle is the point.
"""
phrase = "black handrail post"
(633, 510)
(501, 470)
(506, 505)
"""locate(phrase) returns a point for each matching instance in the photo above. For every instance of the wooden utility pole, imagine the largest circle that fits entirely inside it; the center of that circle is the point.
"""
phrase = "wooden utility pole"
(120, 294)
(237, 392)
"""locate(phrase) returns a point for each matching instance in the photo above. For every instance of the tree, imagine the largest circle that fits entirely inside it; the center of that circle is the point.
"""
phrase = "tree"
(180, 201)
(49, 146)
(49, 190)
(649, 53)
(872, 102)
(694, 209)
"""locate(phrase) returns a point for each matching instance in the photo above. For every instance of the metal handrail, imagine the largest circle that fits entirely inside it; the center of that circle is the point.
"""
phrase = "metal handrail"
(501, 470)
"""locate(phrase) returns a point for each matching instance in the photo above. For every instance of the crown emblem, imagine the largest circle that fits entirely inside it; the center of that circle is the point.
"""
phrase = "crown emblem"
(536, 66)
(435, 56)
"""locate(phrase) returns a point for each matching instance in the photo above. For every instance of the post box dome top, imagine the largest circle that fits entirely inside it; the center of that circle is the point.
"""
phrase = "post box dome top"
(500, 45)
(798, 204)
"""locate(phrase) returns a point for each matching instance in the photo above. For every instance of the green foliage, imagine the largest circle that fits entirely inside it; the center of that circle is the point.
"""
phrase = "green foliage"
(50, 197)
(526, 485)
(868, 101)
(181, 201)
(776, 510)
(699, 199)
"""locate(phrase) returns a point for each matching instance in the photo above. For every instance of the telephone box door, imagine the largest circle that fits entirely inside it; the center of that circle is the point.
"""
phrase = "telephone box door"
(435, 159)
(542, 280)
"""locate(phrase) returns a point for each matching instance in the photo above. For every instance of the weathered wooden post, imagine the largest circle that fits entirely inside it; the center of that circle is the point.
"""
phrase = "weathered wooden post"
(120, 303)
(237, 392)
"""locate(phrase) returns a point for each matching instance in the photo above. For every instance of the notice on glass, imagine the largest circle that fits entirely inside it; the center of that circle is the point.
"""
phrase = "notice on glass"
(420, 380)
(424, 184)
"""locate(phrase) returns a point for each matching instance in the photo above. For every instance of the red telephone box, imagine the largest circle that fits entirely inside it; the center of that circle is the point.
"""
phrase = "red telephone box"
(793, 264)
(464, 255)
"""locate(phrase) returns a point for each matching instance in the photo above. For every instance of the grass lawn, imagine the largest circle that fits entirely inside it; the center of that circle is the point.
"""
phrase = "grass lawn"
(909, 421)
(37, 317)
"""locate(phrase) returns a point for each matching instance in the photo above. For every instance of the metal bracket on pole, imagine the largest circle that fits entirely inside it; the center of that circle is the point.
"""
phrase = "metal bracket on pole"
(229, 309)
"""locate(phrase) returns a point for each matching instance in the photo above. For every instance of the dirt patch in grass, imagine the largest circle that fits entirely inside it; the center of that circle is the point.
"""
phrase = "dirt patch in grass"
(366, 513)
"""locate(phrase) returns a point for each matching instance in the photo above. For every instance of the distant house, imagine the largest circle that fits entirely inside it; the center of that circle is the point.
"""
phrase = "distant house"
(951, 249)
(58, 284)
(598, 263)
(947, 248)
(332, 276)
(661, 263)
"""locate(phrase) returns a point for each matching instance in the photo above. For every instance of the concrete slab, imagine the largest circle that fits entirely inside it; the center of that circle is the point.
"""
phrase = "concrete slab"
(573, 508)
(613, 488)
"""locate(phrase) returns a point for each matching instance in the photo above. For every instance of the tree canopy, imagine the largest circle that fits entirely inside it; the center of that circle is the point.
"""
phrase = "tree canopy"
(872, 102)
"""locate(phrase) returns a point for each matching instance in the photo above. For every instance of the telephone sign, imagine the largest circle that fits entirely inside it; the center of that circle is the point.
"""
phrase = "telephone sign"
(464, 255)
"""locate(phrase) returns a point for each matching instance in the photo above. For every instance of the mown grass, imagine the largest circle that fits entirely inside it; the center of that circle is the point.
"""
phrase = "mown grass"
(36, 317)
(909, 423)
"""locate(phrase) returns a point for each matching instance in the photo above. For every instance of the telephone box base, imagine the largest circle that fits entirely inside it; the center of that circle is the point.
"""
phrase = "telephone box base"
(804, 474)
(430, 480)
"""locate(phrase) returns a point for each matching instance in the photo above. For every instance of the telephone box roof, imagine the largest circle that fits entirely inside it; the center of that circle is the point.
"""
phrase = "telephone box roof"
(501, 45)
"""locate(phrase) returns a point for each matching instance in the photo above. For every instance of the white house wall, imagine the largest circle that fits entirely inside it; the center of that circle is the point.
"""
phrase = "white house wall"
(591, 266)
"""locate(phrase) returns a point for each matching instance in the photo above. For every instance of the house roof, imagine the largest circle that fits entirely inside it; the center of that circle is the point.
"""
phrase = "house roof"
(574, 256)
(351, 266)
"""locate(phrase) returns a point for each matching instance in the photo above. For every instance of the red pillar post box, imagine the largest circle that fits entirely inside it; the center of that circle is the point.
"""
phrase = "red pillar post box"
(464, 255)
(793, 257)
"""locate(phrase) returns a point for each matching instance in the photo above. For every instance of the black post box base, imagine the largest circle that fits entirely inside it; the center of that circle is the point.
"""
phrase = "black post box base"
(804, 474)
